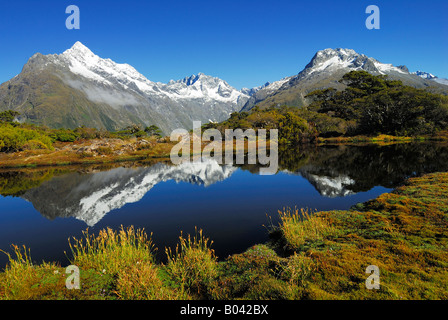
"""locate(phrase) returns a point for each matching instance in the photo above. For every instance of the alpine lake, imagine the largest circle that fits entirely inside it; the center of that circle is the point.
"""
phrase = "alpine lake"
(234, 205)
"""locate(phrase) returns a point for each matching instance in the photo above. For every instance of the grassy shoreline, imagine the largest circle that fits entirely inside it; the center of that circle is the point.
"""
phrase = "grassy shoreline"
(383, 139)
(97, 151)
(320, 255)
(108, 151)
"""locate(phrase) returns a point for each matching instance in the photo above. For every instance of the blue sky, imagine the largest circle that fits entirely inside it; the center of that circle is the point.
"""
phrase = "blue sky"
(244, 42)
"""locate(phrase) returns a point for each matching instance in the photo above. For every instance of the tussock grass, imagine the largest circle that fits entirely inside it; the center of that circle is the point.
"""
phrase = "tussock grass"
(299, 227)
(142, 282)
(112, 251)
(19, 266)
(193, 264)
(124, 259)
(22, 280)
(298, 269)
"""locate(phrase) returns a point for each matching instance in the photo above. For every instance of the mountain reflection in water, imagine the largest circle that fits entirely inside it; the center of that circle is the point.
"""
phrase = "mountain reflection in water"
(231, 208)
(89, 197)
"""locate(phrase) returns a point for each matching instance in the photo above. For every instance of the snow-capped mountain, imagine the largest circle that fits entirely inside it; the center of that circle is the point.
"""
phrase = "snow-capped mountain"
(424, 75)
(205, 87)
(331, 60)
(83, 62)
(324, 70)
(78, 87)
(89, 197)
(250, 92)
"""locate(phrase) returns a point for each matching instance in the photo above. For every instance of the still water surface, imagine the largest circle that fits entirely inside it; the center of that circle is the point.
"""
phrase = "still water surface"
(42, 208)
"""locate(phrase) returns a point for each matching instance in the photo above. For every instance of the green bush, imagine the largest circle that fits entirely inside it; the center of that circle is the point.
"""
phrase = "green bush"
(64, 135)
(18, 139)
(104, 151)
(140, 134)
(91, 133)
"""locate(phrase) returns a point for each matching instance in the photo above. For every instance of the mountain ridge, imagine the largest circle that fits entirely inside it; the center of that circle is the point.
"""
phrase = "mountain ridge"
(77, 87)
(324, 70)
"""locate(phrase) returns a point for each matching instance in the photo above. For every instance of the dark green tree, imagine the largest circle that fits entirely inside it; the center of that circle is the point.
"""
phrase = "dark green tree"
(8, 115)
(153, 130)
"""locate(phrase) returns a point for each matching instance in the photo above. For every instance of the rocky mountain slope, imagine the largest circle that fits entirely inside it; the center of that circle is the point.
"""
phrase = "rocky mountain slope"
(325, 69)
(78, 88)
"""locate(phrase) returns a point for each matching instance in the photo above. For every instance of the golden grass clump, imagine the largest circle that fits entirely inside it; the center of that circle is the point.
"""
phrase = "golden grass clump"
(22, 280)
(142, 282)
(193, 264)
(112, 251)
(299, 227)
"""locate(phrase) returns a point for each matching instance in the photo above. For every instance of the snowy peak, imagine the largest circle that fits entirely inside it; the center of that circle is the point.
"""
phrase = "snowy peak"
(430, 76)
(82, 61)
(336, 55)
(78, 49)
(199, 78)
(206, 87)
(332, 59)
(115, 95)
(325, 70)
(424, 75)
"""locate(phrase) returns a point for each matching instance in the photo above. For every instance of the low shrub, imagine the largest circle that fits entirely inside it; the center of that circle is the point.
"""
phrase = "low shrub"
(64, 135)
(14, 139)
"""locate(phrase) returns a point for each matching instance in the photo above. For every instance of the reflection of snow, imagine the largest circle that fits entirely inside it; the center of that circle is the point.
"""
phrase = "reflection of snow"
(332, 186)
(97, 194)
